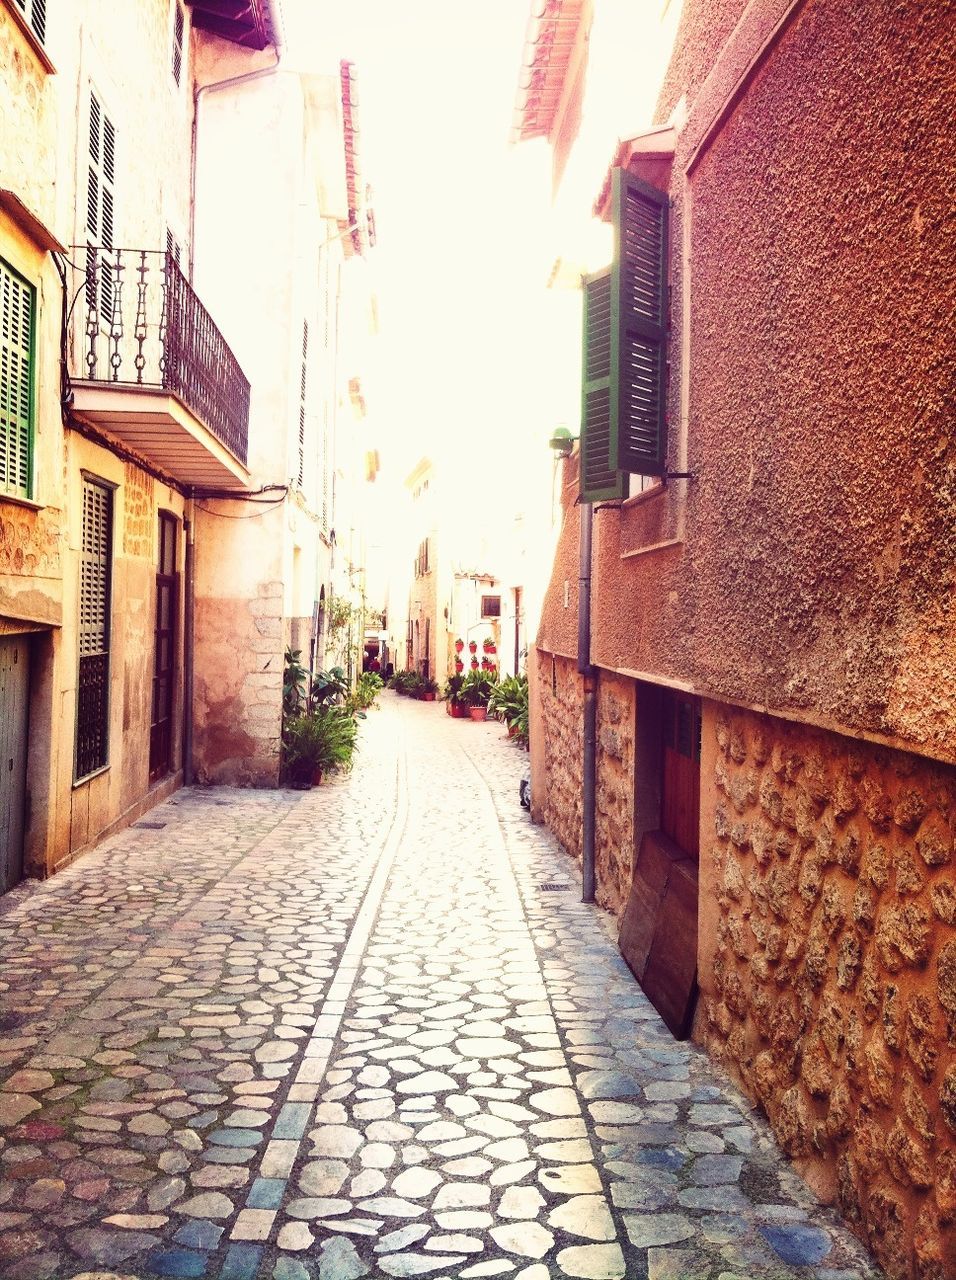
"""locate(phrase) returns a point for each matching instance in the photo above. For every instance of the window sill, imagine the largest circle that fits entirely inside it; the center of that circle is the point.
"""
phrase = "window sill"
(654, 546)
(647, 496)
(16, 501)
(29, 35)
(81, 782)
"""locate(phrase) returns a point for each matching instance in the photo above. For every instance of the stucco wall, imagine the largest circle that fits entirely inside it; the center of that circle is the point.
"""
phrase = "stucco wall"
(828, 967)
(806, 565)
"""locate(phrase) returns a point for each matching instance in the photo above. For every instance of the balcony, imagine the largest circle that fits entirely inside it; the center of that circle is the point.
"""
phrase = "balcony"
(150, 367)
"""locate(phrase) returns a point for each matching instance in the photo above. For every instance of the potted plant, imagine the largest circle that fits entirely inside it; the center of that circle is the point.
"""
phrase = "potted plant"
(429, 689)
(459, 666)
(451, 694)
(475, 692)
(472, 646)
(317, 743)
(509, 703)
(474, 664)
(459, 645)
(488, 645)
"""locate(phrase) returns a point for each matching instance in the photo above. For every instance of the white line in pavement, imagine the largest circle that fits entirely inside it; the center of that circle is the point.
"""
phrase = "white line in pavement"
(281, 1153)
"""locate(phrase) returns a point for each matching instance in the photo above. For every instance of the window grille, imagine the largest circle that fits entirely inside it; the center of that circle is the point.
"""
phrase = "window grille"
(92, 719)
(17, 372)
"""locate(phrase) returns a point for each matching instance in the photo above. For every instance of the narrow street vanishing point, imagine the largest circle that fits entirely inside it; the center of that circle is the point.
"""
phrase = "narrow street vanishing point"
(367, 1030)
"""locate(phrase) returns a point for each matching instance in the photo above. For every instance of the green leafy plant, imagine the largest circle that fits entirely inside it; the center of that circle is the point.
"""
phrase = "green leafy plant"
(452, 689)
(329, 687)
(367, 689)
(428, 685)
(295, 679)
(323, 739)
(477, 687)
(509, 703)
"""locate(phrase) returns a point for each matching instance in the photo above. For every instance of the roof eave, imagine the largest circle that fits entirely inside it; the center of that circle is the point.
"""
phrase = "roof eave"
(652, 144)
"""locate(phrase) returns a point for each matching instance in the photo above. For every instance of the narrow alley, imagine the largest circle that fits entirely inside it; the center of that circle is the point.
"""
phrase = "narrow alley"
(366, 1030)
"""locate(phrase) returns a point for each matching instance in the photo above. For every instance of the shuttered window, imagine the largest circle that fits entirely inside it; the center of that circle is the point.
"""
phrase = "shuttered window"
(17, 380)
(92, 717)
(179, 37)
(624, 425)
(600, 482)
(303, 402)
(100, 211)
(34, 11)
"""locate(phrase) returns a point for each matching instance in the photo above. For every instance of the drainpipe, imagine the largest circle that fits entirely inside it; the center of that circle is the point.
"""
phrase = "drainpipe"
(217, 86)
(189, 636)
(586, 671)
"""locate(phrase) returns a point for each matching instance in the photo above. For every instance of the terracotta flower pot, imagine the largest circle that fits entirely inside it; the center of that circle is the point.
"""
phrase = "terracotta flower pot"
(428, 697)
(459, 645)
(472, 646)
(316, 777)
(478, 713)
(474, 664)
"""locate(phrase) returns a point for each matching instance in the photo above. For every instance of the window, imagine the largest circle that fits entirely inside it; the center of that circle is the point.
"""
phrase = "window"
(422, 565)
(178, 40)
(623, 411)
(34, 12)
(92, 715)
(303, 399)
(100, 208)
(491, 606)
(17, 378)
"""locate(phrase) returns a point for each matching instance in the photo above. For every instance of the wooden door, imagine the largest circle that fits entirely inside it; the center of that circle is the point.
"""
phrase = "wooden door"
(14, 695)
(164, 658)
(680, 784)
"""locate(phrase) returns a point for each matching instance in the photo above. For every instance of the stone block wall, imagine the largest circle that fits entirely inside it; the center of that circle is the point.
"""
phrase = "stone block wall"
(561, 723)
(614, 825)
(831, 987)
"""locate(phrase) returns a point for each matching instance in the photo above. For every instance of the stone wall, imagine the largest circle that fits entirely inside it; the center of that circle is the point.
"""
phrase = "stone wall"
(614, 834)
(560, 701)
(830, 989)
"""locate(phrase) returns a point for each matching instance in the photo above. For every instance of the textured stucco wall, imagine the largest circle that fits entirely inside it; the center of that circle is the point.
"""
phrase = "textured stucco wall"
(828, 967)
(806, 566)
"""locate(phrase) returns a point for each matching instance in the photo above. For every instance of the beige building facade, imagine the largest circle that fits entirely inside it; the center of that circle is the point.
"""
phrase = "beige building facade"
(769, 664)
(167, 415)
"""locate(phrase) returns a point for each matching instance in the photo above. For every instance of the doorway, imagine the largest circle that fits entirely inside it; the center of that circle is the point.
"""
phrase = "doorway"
(164, 659)
(14, 701)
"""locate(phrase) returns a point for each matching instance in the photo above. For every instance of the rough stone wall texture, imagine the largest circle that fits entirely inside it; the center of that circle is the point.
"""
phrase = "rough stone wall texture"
(832, 990)
(561, 705)
(28, 137)
(139, 518)
(816, 541)
(239, 688)
(30, 541)
(614, 800)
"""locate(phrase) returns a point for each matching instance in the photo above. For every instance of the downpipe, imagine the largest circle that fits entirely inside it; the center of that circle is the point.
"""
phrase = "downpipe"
(588, 675)
(189, 637)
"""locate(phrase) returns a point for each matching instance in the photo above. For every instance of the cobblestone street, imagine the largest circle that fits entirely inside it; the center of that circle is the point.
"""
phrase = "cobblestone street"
(367, 1030)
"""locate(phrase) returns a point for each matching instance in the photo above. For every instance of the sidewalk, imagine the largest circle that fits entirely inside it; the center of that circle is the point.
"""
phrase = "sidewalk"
(349, 1033)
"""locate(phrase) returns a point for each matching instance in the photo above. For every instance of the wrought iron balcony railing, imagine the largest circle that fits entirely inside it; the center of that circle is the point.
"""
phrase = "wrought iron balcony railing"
(140, 325)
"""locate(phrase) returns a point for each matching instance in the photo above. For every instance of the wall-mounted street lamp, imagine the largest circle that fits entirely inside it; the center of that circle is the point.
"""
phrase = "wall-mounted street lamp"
(561, 442)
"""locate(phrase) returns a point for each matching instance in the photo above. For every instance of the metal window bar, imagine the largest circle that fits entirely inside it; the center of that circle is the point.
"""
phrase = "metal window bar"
(144, 326)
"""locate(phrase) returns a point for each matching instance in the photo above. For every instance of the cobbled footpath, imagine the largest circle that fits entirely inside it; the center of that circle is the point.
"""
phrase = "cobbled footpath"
(349, 1033)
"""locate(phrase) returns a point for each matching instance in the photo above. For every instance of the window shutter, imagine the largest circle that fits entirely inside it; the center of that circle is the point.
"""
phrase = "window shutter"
(100, 196)
(179, 29)
(303, 402)
(17, 313)
(639, 327)
(35, 13)
(92, 720)
(599, 481)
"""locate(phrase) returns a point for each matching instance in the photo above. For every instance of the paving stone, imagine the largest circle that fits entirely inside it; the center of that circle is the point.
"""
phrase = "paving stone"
(594, 1261)
(528, 1239)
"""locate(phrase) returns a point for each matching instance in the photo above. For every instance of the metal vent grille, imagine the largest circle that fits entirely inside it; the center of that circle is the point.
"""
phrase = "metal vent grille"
(552, 886)
(148, 826)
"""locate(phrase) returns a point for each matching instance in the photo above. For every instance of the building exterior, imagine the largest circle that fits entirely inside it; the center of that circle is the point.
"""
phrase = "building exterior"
(168, 396)
(765, 467)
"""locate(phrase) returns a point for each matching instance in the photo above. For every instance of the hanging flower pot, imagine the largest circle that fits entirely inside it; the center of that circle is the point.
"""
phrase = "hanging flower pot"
(472, 646)
(459, 666)
(474, 664)
(489, 646)
(459, 645)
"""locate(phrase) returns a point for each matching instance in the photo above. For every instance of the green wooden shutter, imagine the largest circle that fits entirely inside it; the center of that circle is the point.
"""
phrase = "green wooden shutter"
(638, 327)
(600, 482)
(17, 323)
